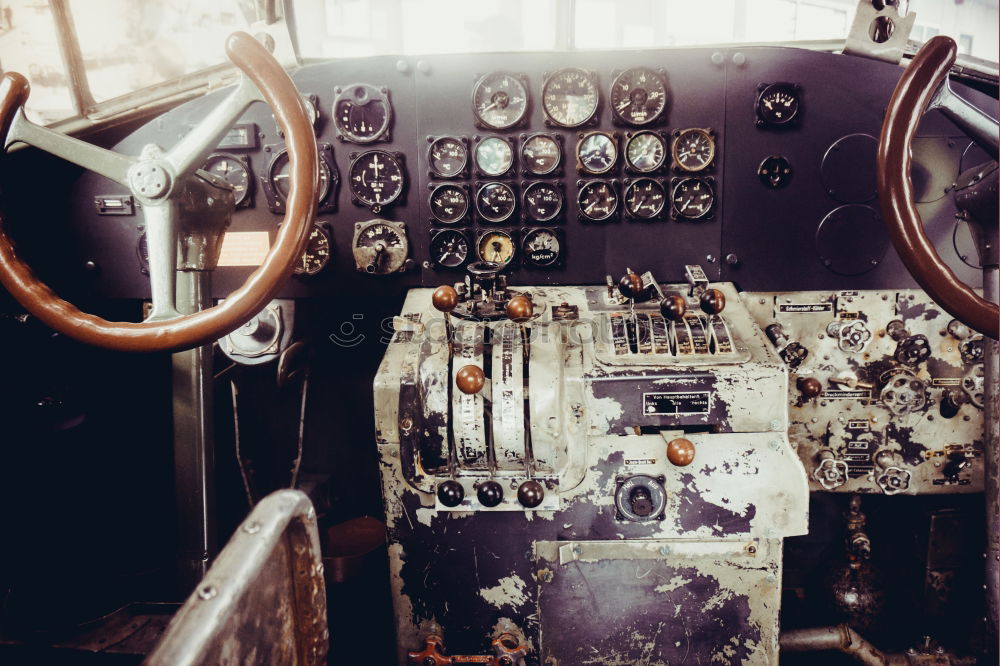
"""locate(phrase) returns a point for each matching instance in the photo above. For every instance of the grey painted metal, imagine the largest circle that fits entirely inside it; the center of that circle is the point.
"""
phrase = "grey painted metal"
(194, 453)
(860, 40)
(991, 435)
(263, 602)
(975, 122)
(842, 638)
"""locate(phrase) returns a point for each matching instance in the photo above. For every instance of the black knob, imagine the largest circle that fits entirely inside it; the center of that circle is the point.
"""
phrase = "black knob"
(712, 301)
(642, 503)
(630, 286)
(430, 661)
(673, 306)
(451, 493)
(530, 494)
(956, 463)
(490, 494)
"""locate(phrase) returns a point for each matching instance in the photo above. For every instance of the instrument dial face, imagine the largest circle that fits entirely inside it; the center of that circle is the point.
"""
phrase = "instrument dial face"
(380, 247)
(693, 149)
(597, 152)
(496, 246)
(447, 157)
(645, 151)
(598, 200)
(376, 178)
(638, 96)
(449, 248)
(499, 100)
(494, 156)
(362, 113)
(778, 104)
(541, 154)
(542, 202)
(449, 203)
(317, 253)
(570, 97)
(693, 198)
(541, 247)
(233, 171)
(279, 177)
(644, 198)
(495, 202)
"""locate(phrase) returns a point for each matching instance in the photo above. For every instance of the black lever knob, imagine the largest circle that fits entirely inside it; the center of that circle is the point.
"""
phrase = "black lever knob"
(712, 301)
(530, 494)
(451, 493)
(631, 286)
(520, 308)
(673, 306)
(444, 298)
(490, 493)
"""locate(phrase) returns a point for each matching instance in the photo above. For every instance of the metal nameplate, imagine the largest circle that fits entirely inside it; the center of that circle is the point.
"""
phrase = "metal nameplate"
(805, 308)
(696, 402)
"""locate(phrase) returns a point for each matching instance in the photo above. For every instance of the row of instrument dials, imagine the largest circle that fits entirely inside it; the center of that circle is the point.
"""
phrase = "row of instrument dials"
(597, 152)
(644, 198)
(538, 248)
(570, 97)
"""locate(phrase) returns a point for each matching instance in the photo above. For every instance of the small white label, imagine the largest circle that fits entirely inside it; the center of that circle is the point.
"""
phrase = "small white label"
(244, 248)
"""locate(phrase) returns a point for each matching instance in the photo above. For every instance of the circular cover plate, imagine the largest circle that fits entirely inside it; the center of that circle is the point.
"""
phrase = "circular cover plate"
(851, 239)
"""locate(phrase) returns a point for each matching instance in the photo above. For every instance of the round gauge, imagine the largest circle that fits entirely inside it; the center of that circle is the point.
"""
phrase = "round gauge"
(597, 200)
(449, 203)
(638, 96)
(447, 157)
(499, 100)
(376, 178)
(597, 152)
(309, 102)
(495, 202)
(645, 151)
(540, 154)
(542, 202)
(778, 104)
(644, 198)
(693, 198)
(380, 247)
(278, 174)
(362, 113)
(693, 149)
(541, 247)
(569, 97)
(317, 253)
(449, 248)
(496, 246)
(494, 156)
(233, 171)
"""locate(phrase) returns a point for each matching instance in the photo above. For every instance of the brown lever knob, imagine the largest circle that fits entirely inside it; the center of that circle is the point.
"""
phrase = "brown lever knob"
(630, 285)
(673, 306)
(520, 308)
(470, 379)
(713, 301)
(680, 452)
(444, 298)
(810, 387)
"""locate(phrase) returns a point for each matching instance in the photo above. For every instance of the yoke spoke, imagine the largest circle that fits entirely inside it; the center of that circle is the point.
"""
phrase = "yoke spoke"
(161, 241)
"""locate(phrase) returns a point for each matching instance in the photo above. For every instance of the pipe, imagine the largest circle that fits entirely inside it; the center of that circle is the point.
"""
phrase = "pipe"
(841, 638)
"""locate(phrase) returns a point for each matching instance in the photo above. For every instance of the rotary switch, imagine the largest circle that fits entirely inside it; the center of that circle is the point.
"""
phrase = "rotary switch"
(640, 498)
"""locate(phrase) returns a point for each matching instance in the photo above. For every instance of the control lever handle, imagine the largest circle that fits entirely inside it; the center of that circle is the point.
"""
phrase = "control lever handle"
(470, 379)
(673, 306)
(520, 309)
(630, 286)
(712, 301)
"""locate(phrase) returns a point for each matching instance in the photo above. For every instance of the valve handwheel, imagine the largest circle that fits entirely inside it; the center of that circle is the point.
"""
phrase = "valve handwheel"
(161, 180)
(914, 93)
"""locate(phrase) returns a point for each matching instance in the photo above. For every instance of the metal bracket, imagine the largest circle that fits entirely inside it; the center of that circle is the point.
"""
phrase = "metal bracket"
(879, 34)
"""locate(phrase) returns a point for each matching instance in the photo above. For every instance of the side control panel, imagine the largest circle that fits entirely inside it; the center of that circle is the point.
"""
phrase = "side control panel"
(885, 390)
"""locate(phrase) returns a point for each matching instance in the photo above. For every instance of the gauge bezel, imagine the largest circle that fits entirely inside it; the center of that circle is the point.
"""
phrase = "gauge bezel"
(311, 102)
(676, 136)
(522, 119)
(556, 169)
(434, 233)
(660, 166)
(510, 236)
(526, 233)
(675, 183)
(525, 207)
(633, 182)
(611, 216)
(584, 136)
(434, 188)
(660, 75)
(763, 90)
(276, 202)
(459, 174)
(247, 200)
(372, 94)
(480, 186)
(550, 120)
(399, 159)
(398, 227)
(478, 142)
(325, 232)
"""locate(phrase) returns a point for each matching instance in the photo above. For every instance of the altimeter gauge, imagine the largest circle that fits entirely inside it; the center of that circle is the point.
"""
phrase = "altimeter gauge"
(570, 97)
(693, 149)
(377, 179)
(317, 253)
(362, 113)
(541, 247)
(380, 247)
(638, 96)
(499, 100)
(449, 248)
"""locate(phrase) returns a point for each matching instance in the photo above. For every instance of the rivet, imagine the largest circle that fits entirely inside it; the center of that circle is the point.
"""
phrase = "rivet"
(207, 592)
(251, 528)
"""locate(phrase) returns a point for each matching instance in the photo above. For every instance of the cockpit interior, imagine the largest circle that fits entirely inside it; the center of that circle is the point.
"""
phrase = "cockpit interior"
(554, 333)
